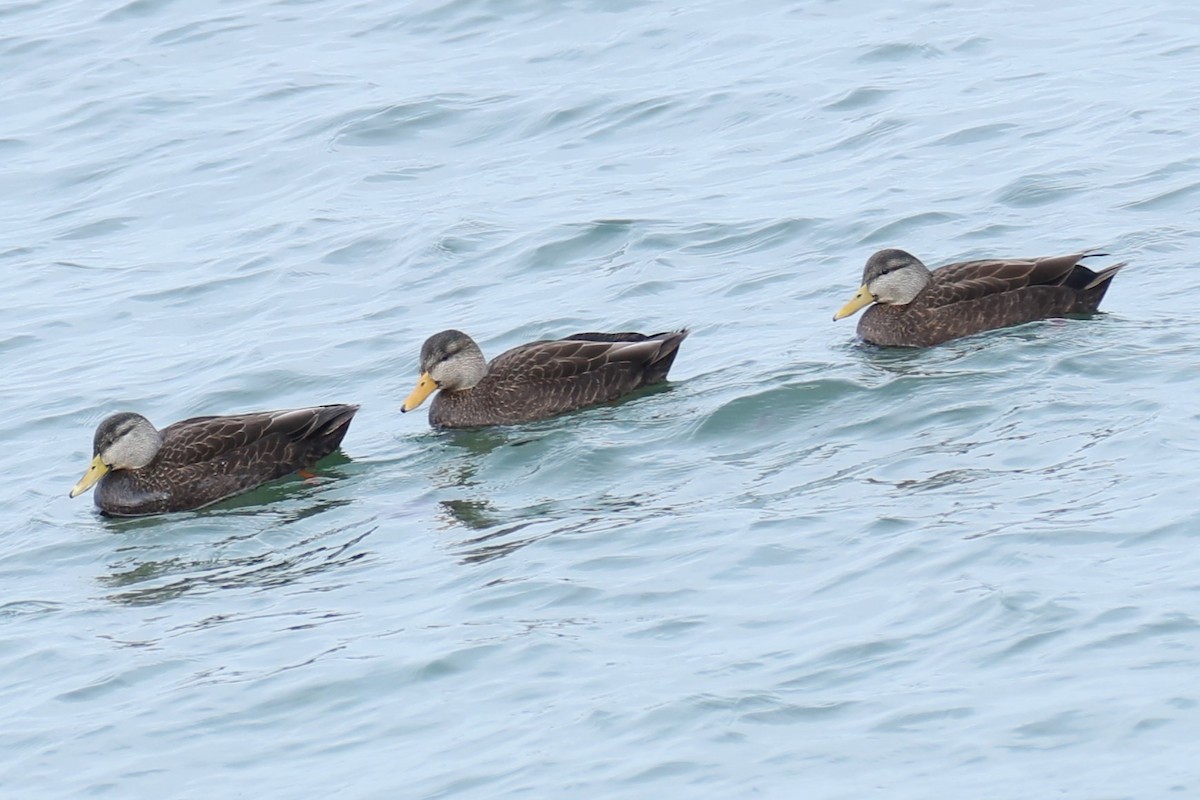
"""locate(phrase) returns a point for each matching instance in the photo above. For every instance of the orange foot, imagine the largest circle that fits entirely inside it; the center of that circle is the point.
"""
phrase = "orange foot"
(303, 473)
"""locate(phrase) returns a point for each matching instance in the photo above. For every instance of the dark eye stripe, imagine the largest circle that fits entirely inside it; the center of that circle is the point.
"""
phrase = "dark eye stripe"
(117, 434)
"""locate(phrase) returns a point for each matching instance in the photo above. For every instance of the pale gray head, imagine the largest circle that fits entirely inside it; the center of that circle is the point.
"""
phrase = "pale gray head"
(123, 441)
(891, 277)
(894, 277)
(126, 441)
(453, 360)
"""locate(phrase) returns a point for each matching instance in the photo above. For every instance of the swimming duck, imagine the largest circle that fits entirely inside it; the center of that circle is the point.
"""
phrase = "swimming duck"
(915, 307)
(536, 380)
(201, 460)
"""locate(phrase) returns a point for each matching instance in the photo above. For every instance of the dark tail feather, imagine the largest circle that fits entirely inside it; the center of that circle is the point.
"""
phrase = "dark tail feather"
(332, 422)
(1104, 276)
(328, 425)
(327, 431)
(1097, 283)
(657, 369)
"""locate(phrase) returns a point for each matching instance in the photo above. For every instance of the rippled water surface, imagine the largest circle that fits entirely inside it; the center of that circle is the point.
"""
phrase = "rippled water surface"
(807, 568)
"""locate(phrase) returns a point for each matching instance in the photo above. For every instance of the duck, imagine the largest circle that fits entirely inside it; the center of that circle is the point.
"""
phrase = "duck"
(916, 307)
(139, 470)
(536, 380)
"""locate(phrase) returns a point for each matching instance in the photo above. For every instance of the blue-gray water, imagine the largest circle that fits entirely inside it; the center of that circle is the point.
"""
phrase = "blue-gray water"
(807, 569)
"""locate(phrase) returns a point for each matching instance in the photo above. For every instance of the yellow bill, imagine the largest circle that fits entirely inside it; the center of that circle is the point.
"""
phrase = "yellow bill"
(862, 298)
(425, 387)
(95, 471)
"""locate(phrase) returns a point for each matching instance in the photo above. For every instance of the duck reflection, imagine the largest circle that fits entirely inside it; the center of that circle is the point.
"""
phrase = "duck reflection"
(497, 533)
(493, 531)
(143, 574)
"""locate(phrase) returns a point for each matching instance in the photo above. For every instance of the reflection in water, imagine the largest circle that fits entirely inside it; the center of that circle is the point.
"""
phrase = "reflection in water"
(474, 514)
(493, 545)
(261, 510)
(482, 441)
(536, 522)
(927, 361)
(314, 555)
(496, 527)
(898, 360)
(464, 452)
(893, 363)
(495, 531)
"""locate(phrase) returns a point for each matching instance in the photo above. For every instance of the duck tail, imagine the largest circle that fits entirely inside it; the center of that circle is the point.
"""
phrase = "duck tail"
(332, 420)
(661, 363)
(1093, 287)
(1104, 276)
